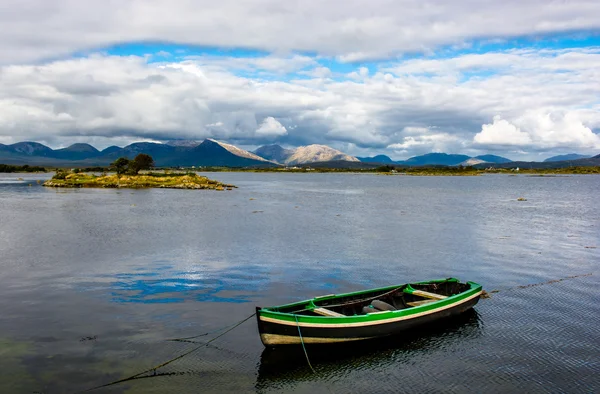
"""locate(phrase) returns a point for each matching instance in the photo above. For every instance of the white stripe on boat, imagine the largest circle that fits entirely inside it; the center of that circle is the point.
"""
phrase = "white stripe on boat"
(276, 339)
(368, 323)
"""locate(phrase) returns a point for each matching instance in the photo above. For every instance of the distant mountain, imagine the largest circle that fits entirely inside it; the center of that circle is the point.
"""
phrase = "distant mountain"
(76, 152)
(274, 153)
(161, 153)
(188, 143)
(28, 148)
(303, 154)
(237, 151)
(110, 150)
(317, 153)
(443, 159)
(493, 159)
(589, 162)
(376, 159)
(570, 156)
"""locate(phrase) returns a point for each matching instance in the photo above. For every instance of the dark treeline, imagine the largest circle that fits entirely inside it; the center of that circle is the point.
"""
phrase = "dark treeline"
(25, 168)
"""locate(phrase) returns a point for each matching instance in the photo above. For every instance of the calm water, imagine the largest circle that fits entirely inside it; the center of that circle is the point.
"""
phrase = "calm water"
(93, 282)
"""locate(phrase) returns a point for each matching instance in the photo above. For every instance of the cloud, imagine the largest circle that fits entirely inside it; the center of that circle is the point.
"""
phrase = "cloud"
(539, 130)
(270, 127)
(545, 100)
(318, 72)
(338, 28)
(501, 132)
(420, 141)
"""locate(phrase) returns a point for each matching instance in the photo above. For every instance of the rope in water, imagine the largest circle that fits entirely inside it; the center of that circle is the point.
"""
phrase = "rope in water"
(153, 369)
(302, 342)
(487, 294)
(187, 339)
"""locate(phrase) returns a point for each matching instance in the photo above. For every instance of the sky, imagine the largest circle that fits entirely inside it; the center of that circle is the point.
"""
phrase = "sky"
(520, 79)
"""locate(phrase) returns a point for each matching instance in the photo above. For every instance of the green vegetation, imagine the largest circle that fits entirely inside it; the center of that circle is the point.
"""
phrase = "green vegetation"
(141, 162)
(416, 171)
(25, 168)
(132, 167)
(150, 180)
(120, 165)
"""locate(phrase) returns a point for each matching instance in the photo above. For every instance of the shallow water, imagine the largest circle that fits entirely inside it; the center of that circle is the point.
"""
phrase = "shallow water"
(94, 281)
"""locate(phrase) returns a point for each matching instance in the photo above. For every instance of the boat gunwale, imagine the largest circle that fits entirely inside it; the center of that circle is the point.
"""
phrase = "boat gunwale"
(376, 316)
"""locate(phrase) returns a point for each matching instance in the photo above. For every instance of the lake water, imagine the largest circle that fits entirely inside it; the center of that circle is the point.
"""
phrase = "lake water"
(93, 282)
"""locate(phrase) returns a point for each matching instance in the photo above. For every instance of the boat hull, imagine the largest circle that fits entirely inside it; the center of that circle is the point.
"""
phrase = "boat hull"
(276, 329)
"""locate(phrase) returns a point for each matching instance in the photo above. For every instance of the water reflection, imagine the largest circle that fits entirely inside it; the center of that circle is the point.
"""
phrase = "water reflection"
(170, 286)
(283, 365)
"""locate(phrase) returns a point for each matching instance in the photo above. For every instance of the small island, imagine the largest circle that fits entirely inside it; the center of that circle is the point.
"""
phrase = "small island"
(127, 175)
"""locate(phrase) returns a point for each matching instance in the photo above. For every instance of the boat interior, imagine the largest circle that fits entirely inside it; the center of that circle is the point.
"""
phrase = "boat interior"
(380, 300)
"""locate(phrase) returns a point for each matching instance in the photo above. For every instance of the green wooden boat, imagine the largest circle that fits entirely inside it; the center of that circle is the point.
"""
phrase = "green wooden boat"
(365, 314)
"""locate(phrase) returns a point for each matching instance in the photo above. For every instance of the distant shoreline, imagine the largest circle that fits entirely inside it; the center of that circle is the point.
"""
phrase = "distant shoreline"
(416, 171)
(382, 170)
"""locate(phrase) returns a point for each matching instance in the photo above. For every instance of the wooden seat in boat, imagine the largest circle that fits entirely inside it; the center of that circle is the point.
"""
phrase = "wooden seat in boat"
(327, 312)
(426, 294)
(418, 303)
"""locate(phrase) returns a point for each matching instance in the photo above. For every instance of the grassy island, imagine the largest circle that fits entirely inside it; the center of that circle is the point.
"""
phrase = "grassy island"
(149, 180)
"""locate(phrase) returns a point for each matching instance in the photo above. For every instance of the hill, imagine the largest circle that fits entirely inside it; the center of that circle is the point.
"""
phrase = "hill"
(274, 153)
(76, 152)
(303, 154)
(377, 159)
(435, 159)
(493, 159)
(570, 156)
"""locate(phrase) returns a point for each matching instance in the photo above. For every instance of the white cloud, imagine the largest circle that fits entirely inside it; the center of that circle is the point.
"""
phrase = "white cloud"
(270, 127)
(271, 63)
(540, 130)
(412, 145)
(348, 29)
(501, 132)
(100, 97)
(318, 72)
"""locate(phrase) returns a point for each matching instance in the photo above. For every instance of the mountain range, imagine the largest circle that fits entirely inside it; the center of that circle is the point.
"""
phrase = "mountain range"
(442, 159)
(212, 153)
(206, 153)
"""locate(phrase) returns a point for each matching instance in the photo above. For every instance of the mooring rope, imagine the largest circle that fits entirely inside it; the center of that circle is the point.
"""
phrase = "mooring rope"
(487, 294)
(153, 369)
(302, 342)
(187, 339)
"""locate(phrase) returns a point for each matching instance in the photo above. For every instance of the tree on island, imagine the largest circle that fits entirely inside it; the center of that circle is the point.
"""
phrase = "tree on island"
(141, 162)
(120, 165)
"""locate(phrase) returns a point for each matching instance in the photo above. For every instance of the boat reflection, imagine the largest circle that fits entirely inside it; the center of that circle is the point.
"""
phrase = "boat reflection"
(288, 364)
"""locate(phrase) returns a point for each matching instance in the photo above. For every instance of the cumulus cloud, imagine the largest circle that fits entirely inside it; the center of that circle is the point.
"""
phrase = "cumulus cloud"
(382, 110)
(501, 132)
(539, 130)
(339, 28)
(270, 127)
